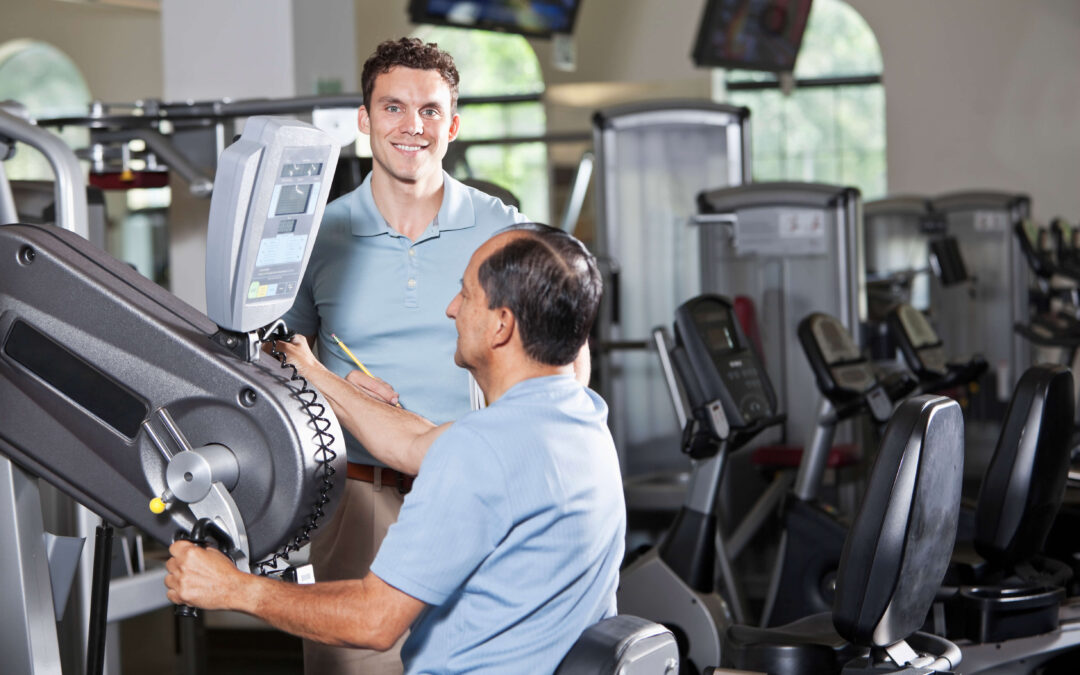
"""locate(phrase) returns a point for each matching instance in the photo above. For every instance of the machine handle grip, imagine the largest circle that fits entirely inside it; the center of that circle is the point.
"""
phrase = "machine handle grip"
(204, 531)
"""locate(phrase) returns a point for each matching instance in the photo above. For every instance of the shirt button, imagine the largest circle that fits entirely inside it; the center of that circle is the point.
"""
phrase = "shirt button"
(412, 283)
(412, 252)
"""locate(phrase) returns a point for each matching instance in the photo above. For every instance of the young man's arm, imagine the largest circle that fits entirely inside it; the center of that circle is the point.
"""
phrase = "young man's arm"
(396, 437)
(367, 613)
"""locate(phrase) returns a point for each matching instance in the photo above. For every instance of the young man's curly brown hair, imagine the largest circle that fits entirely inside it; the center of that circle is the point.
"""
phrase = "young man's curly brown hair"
(409, 53)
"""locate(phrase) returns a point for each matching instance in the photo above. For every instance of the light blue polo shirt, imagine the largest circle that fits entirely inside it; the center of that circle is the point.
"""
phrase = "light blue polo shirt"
(385, 296)
(513, 533)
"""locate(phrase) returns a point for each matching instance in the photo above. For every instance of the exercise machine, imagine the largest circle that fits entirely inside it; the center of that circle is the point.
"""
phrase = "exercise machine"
(791, 249)
(803, 579)
(651, 160)
(148, 412)
(732, 401)
(893, 561)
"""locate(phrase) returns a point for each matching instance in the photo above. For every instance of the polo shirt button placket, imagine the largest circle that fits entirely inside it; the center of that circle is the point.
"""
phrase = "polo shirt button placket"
(410, 285)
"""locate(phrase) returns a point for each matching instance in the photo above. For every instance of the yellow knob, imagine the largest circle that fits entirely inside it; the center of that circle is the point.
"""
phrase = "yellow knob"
(156, 505)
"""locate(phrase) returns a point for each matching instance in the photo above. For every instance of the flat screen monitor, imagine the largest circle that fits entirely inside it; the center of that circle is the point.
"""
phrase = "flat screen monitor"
(751, 34)
(541, 18)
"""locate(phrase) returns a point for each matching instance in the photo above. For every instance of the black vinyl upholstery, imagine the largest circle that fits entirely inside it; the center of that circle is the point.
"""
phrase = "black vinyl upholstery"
(1025, 480)
(894, 556)
(900, 543)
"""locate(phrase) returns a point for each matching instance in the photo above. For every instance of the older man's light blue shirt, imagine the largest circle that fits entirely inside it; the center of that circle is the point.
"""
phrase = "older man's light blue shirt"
(513, 533)
(385, 296)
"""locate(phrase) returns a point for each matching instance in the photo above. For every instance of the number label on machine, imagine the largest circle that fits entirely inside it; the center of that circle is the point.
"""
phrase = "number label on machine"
(269, 196)
(781, 231)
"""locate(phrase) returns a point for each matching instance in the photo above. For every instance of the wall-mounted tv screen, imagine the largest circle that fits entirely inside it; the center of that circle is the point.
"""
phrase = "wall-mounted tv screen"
(541, 18)
(751, 34)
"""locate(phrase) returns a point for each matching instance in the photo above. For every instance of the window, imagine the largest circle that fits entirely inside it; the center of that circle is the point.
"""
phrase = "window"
(498, 65)
(831, 127)
(49, 84)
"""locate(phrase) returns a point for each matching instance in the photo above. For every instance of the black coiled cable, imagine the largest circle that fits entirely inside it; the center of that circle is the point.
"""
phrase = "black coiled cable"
(324, 456)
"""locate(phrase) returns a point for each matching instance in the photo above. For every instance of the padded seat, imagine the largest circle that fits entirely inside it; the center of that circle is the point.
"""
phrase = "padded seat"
(790, 456)
(809, 645)
(622, 645)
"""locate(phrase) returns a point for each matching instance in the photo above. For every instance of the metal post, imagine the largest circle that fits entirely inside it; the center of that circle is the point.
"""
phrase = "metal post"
(99, 600)
(816, 454)
(28, 642)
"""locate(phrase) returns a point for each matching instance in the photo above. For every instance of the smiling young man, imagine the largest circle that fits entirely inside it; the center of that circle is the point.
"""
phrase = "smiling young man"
(387, 262)
(509, 545)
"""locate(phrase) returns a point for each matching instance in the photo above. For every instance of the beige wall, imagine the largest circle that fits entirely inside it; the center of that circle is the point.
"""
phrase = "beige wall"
(642, 46)
(982, 93)
(117, 50)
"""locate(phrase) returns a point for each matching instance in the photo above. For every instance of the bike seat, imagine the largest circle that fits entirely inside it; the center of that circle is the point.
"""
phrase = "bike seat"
(809, 645)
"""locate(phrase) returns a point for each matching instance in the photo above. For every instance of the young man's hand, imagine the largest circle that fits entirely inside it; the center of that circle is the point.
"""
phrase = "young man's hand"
(373, 387)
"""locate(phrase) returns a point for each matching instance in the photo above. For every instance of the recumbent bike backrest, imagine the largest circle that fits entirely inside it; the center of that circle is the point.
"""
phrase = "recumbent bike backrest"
(900, 543)
(1025, 480)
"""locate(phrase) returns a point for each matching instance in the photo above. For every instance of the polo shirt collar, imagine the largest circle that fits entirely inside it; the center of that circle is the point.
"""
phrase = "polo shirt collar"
(455, 213)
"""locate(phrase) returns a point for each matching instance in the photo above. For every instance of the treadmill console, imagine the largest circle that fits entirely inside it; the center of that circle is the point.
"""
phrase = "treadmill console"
(718, 364)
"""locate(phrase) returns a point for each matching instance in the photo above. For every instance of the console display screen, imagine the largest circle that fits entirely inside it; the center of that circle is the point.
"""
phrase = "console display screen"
(301, 169)
(292, 199)
(716, 327)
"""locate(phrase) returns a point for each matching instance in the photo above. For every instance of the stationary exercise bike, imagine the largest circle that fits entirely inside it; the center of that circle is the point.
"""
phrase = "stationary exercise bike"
(674, 582)
(731, 401)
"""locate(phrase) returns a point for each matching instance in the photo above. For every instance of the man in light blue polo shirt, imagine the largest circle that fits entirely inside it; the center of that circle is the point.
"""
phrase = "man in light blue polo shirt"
(386, 264)
(509, 544)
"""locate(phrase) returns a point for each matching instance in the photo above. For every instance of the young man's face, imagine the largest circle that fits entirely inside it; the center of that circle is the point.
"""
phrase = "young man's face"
(410, 123)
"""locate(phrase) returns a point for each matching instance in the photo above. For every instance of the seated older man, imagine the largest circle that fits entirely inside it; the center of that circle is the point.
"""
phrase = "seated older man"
(509, 544)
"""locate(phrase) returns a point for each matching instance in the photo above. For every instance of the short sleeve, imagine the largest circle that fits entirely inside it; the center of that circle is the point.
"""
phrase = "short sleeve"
(454, 517)
(303, 316)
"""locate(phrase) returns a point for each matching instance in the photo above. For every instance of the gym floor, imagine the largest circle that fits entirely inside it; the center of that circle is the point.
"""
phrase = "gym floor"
(231, 647)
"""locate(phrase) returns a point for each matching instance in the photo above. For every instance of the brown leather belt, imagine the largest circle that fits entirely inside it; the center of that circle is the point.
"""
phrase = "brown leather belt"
(366, 474)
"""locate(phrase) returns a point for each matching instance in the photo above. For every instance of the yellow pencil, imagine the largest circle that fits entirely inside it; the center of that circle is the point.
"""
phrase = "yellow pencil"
(356, 360)
(352, 356)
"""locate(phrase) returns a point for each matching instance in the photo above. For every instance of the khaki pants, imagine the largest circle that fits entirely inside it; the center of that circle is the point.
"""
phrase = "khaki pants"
(344, 548)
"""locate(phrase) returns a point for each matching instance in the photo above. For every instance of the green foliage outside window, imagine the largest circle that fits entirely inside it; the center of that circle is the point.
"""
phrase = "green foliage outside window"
(49, 84)
(497, 64)
(822, 134)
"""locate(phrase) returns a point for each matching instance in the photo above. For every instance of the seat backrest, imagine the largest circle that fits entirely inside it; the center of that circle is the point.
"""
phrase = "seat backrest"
(623, 645)
(1025, 480)
(899, 546)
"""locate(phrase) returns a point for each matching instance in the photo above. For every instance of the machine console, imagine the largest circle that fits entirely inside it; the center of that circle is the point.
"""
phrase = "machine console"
(918, 341)
(720, 363)
(270, 191)
(843, 374)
